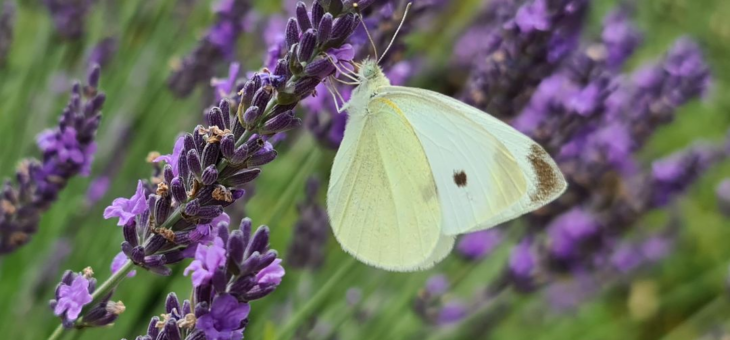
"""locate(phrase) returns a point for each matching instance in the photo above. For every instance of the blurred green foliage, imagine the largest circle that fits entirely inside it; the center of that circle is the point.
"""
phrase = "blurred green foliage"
(689, 288)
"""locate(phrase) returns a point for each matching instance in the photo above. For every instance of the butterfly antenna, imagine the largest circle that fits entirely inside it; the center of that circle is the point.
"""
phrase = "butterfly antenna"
(344, 71)
(364, 26)
(405, 13)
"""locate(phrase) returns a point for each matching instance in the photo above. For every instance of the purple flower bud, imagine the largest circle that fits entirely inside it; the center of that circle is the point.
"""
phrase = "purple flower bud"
(182, 166)
(259, 242)
(306, 45)
(251, 115)
(324, 30)
(194, 162)
(245, 227)
(155, 243)
(186, 308)
(175, 256)
(198, 138)
(228, 146)
(263, 156)
(320, 68)
(303, 17)
(281, 123)
(248, 91)
(178, 190)
(219, 280)
(167, 173)
(262, 97)
(137, 254)
(225, 107)
(210, 175)
(172, 304)
(171, 330)
(162, 210)
(210, 211)
(129, 231)
(238, 129)
(282, 68)
(305, 86)
(215, 118)
(240, 155)
(292, 32)
(343, 27)
(242, 177)
(210, 154)
(192, 208)
(152, 330)
(317, 13)
(236, 246)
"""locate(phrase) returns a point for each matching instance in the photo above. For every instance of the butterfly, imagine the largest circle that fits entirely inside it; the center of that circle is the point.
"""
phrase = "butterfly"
(416, 168)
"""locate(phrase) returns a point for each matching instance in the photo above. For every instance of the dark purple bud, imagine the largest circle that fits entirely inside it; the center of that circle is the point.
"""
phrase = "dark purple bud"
(196, 335)
(238, 129)
(260, 241)
(152, 329)
(152, 203)
(255, 143)
(194, 163)
(178, 190)
(307, 45)
(343, 27)
(225, 107)
(186, 308)
(317, 13)
(281, 123)
(154, 260)
(162, 210)
(130, 234)
(251, 115)
(262, 157)
(257, 81)
(198, 138)
(94, 76)
(245, 227)
(303, 16)
(262, 97)
(172, 304)
(126, 249)
(167, 173)
(320, 68)
(267, 259)
(251, 263)
(324, 30)
(192, 208)
(236, 194)
(210, 175)
(223, 231)
(219, 280)
(155, 243)
(236, 246)
(292, 32)
(240, 155)
(182, 167)
(68, 277)
(282, 68)
(243, 284)
(201, 308)
(228, 146)
(182, 237)
(210, 211)
(305, 86)
(215, 117)
(173, 257)
(171, 330)
(259, 291)
(137, 255)
(248, 91)
(211, 152)
(242, 177)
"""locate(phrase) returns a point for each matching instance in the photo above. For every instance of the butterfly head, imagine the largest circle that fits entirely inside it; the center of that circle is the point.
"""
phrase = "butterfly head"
(371, 74)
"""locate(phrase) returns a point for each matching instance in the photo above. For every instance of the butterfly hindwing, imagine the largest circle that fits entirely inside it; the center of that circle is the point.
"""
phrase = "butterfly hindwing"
(382, 199)
(485, 171)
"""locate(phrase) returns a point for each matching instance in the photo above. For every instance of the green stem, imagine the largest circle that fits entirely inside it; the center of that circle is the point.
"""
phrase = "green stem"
(58, 333)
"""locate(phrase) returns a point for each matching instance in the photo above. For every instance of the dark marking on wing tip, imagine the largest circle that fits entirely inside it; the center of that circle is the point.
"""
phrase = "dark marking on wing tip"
(460, 178)
(549, 181)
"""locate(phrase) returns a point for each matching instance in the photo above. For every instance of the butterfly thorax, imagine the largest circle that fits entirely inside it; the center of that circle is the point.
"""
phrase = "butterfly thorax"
(371, 79)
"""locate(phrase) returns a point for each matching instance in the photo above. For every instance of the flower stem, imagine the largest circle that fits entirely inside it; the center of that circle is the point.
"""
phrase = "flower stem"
(58, 333)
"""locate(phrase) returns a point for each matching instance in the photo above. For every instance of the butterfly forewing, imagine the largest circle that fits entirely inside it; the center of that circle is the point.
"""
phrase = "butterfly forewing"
(485, 171)
(382, 199)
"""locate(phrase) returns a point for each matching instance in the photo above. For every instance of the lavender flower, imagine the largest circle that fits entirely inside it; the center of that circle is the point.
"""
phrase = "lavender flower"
(126, 209)
(227, 276)
(74, 294)
(67, 151)
(103, 51)
(118, 262)
(7, 21)
(69, 16)
(217, 46)
(479, 244)
(307, 249)
(521, 49)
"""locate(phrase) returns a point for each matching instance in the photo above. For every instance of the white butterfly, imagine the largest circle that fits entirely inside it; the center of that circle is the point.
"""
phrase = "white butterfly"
(416, 168)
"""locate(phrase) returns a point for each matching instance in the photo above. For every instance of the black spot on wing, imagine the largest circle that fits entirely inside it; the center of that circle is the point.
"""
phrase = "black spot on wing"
(460, 178)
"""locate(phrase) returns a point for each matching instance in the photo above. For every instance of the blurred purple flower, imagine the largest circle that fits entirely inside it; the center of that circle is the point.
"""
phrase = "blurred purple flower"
(478, 244)
(69, 16)
(533, 16)
(118, 262)
(723, 196)
(7, 23)
(620, 37)
(437, 285)
(452, 312)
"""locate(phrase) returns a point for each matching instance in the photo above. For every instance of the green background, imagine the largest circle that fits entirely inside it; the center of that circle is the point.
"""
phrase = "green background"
(689, 287)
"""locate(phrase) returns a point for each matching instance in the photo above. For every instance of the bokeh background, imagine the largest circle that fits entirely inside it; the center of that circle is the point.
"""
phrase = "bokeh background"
(683, 295)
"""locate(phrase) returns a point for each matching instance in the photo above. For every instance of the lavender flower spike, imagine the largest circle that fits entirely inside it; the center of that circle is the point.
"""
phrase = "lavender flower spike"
(74, 294)
(68, 150)
(69, 16)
